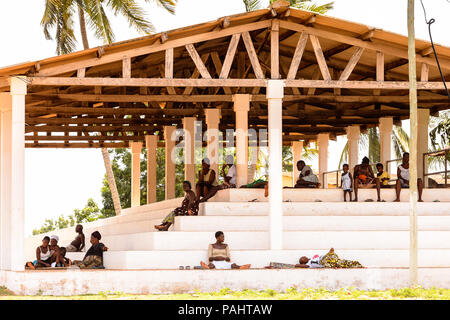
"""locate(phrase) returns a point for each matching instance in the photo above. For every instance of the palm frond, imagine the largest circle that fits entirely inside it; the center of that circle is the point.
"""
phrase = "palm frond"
(168, 5)
(135, 15)
(98, 21)
(252, 5)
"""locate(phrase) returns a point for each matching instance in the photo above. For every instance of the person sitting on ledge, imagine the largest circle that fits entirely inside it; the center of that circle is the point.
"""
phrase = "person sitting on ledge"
(329, 260)
(230, 178)
(306, 178)
(206, 180)
(78, 244)
(189, 206)
(93, 258)
(365, 178)
(43, 256)
(55, 249)
(403, 179)
(383, 176)
(219, 255)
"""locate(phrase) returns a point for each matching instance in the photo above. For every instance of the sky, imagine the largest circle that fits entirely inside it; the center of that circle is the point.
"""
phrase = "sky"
(58, 181)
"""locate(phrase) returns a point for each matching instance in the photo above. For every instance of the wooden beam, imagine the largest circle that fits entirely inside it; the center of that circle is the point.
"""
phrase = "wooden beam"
(126, 68)
(424, 72)
(252, 55)
(198, 61)
(299, 49)
(275, 50)
(81, 73)
(320, 58)
(351, 64)
(231, 52)
(218, 65)
(146, 82)
(196, 74)
(156, 47)
(387, 49)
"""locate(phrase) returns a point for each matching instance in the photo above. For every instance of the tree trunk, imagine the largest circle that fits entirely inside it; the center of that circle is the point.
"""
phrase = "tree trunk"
(83, 28)
(111, 181)
(105, 154)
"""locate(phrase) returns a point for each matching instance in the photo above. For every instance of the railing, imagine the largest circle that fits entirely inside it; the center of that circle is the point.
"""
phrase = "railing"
(337, 178)
(444, 152)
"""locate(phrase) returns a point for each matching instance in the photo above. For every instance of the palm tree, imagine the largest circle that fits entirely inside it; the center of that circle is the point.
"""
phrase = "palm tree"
(58, 15)
(251, 5)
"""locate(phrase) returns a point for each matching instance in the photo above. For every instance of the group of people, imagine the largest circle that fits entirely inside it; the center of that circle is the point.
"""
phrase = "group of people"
(49, 254)
(364, 177)
(207, 186)
(219, 258)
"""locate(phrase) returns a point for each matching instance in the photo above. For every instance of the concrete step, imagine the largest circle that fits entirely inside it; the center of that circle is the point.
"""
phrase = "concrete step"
(311, 223)
(293, 240)
(325, 208)
(260, 258)
(327, 195)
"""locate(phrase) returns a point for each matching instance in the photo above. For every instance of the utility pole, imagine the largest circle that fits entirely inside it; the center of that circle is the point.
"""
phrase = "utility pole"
(413, 276)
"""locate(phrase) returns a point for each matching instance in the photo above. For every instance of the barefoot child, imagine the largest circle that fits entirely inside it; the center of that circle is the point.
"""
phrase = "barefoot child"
(346, 182)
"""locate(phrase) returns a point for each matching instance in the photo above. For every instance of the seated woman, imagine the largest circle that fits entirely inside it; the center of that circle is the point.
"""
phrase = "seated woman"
(329, 260)
(229, 178)
(306, 179)
(365, 178)
(206, 180)
(403, 179)
(43, 256)
(219, 255)
(93, 259)
(189, 206)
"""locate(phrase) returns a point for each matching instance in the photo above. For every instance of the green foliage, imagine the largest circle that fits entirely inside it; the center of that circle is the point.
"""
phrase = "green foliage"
(252, 5)
(89, 213)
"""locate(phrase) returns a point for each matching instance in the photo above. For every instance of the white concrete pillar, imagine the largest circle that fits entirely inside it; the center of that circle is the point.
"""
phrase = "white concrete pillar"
(385, 126)
(189, 149)
(423, 117)
(5, 180)
(297, 149)
(136, 148)
(151, 143)
(212, 117)
(322, 143)
(275, 93)
(169, 137)
(13, 175)
(353, 133)
(241, 108)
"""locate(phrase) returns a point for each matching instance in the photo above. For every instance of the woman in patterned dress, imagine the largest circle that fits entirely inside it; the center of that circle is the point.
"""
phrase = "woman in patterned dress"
(329, 260)
(189, 206)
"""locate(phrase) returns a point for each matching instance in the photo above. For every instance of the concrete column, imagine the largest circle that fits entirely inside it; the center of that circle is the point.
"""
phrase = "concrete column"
(297, 149)
(169, 137)
(241, 108)
(13, 175)
(189, 149)
(136, 148)
(5, 180)
(423, 117)
(275, 93)
(322, 142)
(212, 117)
(385, 126)
(353, 133)
(151, 143)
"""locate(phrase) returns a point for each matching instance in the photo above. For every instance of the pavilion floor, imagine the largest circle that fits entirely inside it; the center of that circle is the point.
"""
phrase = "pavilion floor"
(76, 282)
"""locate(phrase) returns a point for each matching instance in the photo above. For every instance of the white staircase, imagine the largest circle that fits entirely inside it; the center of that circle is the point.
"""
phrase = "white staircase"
(375, 233)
